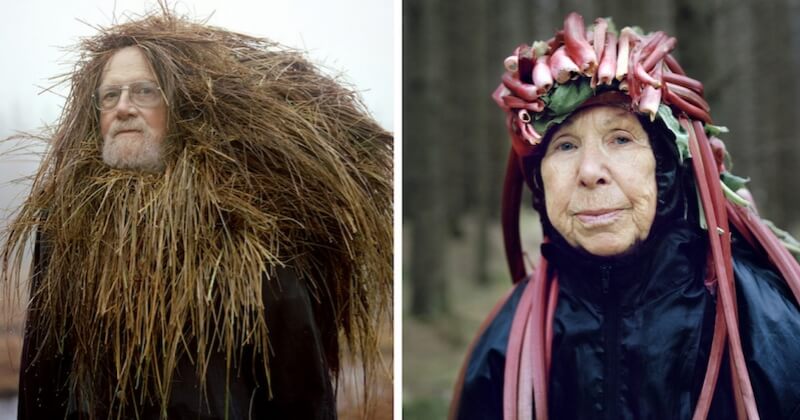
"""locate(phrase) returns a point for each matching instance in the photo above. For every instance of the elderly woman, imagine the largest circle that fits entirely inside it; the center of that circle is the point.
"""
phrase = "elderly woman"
(659, 292)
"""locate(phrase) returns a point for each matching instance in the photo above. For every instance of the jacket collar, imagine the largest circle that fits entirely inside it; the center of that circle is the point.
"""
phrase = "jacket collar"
(669, 258)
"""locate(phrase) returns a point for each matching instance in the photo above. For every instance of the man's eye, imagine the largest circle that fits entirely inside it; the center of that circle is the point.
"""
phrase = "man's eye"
(110, 95)
(145, 91)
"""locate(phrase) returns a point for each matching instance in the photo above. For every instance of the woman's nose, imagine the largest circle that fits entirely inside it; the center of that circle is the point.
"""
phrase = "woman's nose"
(593, 169)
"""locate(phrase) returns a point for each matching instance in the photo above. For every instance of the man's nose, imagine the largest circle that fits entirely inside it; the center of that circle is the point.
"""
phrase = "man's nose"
(593, 169)
(125, 107)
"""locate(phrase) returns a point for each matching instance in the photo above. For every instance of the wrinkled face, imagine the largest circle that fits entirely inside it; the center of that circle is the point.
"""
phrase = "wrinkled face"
(599, 180)
(133, 135)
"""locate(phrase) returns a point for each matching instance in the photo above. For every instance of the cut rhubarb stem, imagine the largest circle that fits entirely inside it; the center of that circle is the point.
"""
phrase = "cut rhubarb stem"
(578, 48)
(518, 88)
(561, 66)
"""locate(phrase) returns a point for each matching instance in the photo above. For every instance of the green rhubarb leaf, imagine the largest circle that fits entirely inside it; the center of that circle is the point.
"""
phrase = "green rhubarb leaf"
(702, 214)
(733, 197)
(611, 26)
(732, 181)
(636, 29)
(560, 102)
(543, 122)
(715, 130)
(681, 136)
(563, 99)
(540, 48)
(788, 241)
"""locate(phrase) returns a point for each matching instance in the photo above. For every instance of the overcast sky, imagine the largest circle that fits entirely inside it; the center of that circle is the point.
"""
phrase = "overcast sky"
(352, 38)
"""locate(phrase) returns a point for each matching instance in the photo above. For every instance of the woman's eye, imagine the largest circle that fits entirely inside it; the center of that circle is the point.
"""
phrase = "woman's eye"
(622, 140)
(565, 146)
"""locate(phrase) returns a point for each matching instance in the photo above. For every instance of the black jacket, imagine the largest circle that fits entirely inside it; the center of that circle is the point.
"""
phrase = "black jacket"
(631, 336)
(299, 374)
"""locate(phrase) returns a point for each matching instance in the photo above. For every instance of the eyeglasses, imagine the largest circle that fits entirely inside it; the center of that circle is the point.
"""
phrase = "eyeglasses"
(142, 94)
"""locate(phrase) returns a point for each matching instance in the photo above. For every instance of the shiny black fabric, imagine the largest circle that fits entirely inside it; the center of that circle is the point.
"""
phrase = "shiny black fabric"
(299, 375)
(632, 336)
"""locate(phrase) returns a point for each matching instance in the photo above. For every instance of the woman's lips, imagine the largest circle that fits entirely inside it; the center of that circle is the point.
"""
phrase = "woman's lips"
(598, 218)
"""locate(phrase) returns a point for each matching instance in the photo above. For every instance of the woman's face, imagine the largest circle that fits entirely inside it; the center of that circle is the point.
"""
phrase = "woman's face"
(599, 180)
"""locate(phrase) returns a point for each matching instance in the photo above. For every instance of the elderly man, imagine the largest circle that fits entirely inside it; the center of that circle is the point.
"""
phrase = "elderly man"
(212, 217)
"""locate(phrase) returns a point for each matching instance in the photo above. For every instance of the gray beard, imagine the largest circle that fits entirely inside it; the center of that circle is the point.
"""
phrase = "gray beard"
(145, 155)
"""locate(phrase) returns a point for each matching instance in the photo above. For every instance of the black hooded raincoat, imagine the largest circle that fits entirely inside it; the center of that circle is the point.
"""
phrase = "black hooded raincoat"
(299, 378)
(631, 336)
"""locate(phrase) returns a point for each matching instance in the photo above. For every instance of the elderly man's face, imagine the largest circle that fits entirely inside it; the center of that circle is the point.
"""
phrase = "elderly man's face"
(133, 134)
(599, 180)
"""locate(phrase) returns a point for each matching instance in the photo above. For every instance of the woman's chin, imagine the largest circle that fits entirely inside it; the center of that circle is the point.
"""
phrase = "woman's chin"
(606, 244)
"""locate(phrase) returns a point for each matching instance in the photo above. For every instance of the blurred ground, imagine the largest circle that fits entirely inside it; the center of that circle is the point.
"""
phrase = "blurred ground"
(350, 401)
(11, 319)
(434, 351)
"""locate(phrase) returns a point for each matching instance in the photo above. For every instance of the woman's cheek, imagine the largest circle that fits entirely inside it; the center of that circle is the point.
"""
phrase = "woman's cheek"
(644, 206)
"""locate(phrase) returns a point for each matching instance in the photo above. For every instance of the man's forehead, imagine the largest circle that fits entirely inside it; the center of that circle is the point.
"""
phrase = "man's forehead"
(126, 65)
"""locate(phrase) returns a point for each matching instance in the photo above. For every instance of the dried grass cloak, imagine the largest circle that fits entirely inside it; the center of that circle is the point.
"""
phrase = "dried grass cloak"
(270, 163)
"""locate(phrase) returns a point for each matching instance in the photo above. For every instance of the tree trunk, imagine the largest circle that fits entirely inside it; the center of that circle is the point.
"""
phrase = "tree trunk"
(423, 70)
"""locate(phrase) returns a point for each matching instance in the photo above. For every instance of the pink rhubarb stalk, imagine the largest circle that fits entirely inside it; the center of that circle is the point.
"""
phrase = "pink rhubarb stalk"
(645, 77)
(517, 103)
(578, 48)
(690, 110)
(529, 133)
(600, 28)
(663, 48)
(651, 97)
(511, 63)
(523, 90)
(623, 52)
(672, 64)
(605, 72)
(525, 61)
(685, 81)
(498, 95)
(690, 95)
(542, 78)
(561, 66)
